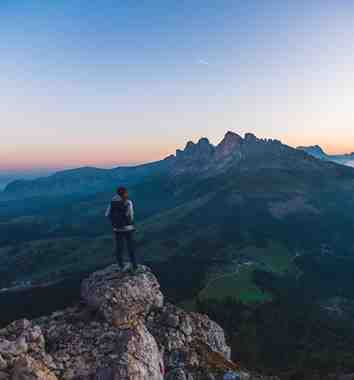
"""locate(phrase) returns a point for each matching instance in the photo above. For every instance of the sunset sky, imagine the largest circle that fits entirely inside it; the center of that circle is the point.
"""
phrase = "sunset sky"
(126, 81)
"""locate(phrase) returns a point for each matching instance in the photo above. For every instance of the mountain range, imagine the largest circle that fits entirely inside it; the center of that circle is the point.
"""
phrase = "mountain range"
(202, 158)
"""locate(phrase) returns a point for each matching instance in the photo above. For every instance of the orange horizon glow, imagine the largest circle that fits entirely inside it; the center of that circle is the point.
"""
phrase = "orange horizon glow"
(110, 159)
(57, 162)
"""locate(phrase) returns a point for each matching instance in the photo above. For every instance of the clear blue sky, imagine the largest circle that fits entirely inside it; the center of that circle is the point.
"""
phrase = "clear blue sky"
(109, 82)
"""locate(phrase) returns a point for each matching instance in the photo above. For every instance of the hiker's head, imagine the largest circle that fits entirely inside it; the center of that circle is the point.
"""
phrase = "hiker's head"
(122, 192)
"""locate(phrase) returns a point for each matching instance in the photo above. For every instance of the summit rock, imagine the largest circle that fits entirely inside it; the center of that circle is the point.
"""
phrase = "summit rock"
(122, 330)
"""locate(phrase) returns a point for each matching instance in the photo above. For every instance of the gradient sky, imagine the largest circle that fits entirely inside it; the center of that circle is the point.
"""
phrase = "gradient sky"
(116, 82)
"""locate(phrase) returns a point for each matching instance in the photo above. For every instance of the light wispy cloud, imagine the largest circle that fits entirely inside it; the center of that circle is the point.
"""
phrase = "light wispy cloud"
(203, 62)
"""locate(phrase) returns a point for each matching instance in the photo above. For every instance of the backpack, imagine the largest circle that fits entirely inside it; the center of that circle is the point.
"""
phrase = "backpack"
(118, 214)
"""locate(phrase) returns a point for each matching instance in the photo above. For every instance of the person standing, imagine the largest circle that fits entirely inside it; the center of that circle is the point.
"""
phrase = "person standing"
(121, 213)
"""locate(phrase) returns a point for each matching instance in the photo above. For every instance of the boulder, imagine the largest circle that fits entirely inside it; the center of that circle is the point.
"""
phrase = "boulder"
(139, 356)
(94, 348)
(190, 341)
(121, 297)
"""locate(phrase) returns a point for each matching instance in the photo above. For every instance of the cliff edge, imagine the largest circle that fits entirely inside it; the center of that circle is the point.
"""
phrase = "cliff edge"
(123, 330)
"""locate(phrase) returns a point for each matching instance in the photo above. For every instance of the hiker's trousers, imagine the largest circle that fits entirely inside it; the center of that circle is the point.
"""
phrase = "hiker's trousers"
(125, 237)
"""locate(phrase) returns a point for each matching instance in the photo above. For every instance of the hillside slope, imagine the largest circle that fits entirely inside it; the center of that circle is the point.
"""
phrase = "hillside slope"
(84, 181)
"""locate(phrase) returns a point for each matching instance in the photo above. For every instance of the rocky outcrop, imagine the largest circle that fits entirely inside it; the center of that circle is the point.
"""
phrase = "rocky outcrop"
(121, 298)
(192, 343)
(22, 353)
(122, 331)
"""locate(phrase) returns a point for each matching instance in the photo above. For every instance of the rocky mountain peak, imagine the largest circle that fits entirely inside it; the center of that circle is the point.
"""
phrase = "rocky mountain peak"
(123, 330)
(194, 154)
(204, 141)
(229, 145)
(231, 136)
(189, 146)
(250, 137)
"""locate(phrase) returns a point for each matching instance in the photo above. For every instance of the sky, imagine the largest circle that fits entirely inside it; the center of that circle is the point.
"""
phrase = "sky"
(106, 83)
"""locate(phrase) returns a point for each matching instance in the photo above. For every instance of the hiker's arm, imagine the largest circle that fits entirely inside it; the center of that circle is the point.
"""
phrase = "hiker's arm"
(108, 211)
(130, 211)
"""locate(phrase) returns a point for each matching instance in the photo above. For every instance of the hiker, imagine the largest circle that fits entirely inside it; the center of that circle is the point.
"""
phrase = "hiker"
(121, 213)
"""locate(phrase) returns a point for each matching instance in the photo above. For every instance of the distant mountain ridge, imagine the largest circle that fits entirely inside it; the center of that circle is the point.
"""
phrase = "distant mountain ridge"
(240, 153)
(318, 152)
(202, 158)
(85, 180)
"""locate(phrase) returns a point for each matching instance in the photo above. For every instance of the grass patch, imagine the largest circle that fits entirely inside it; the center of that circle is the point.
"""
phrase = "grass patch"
(274, 257)
(237, 285)
(236, 280)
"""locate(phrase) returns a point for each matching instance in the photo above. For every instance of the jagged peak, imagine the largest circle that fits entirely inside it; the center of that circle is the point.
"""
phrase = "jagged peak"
(229, 144)
(231, 135)
(230, 138)
(203, 149)
(189, 145)
(249, 137)
(203, 141)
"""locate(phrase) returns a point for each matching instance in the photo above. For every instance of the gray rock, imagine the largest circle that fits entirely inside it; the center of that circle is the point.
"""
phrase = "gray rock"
(139, 357)
(13, 348)
(121, 297)
(180, 333)
(3, 363)
(16, 328)
(28, 368)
